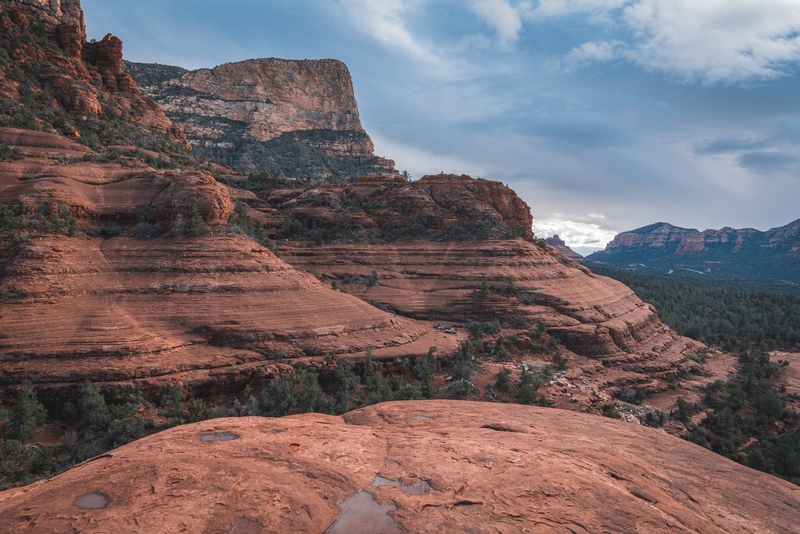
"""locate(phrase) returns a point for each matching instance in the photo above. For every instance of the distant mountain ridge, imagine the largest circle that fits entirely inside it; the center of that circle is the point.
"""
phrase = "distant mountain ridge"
(728, 253)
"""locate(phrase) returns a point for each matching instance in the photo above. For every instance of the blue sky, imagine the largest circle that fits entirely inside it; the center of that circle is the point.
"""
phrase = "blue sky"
(604, 115)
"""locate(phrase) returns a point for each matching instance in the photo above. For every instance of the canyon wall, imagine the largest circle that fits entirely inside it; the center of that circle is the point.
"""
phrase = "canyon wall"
(265, 113)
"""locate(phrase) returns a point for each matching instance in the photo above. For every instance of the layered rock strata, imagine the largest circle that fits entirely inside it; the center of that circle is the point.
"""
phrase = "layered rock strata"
(422, 268)
(212, 312)
(432, 466)
(258, 112)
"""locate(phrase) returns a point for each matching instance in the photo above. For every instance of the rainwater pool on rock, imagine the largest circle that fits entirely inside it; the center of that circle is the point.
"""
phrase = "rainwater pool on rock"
(91, 501)
(362, 514)
(218, 436)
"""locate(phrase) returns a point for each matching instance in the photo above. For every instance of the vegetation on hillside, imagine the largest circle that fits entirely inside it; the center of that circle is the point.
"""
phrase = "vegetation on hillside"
(730, 316)
(747, 419)
(29, 99)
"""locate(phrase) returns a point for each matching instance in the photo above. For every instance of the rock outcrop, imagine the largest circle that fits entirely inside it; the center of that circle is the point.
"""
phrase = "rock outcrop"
(746, 254)
(56, 81)
(429, 245)
(558, 244)
(433, 466)
(255, 113)
(213, 312)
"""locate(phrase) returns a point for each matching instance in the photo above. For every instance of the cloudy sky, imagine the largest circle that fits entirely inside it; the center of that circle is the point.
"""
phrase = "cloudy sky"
(604, 115)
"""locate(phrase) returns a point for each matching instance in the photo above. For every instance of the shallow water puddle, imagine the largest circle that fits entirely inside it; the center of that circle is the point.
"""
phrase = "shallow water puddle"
(362, 514)
(91, 501)
(381, 481)
(420, 488)
(218, 436)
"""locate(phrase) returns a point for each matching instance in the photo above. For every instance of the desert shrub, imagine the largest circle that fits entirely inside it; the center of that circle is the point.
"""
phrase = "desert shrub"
(483, 291)
(424, 368)
(92, 407)
(28, 414)
(527, 387)
(479, 329)
(172, 403)
(503, 382)
(241, 223)
(196, 225)
(654, 419)
(560, 361)
(462, 368)
(297, 392)
(500, 351)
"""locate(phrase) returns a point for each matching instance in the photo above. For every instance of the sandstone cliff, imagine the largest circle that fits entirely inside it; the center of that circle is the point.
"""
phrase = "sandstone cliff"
(746, 254)
(266, 113)
(432, 243)
(51, 79)
(84, 299)
(408, 467)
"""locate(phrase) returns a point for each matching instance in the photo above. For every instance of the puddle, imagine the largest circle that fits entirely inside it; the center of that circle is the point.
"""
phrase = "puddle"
(420, 488)
(361, 514)
(91, 501)
(421, 418)
(218, 436)
(242, 525)
(381, 481)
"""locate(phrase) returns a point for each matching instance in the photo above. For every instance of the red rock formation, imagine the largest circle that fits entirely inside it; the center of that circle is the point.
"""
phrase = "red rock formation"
(106, 55)
(434, 466)
(558, 244)
(437, 202)
(272, 96)
(82, 75)
(309, 103)
(212, 312)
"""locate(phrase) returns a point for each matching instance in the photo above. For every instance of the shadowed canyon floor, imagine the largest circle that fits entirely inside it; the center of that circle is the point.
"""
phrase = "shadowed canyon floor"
(433, 466)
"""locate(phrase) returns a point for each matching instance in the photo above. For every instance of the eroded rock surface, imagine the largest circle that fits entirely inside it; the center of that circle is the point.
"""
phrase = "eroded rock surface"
(84, 80)
(486, 467)
(213, 312)
(308, 108)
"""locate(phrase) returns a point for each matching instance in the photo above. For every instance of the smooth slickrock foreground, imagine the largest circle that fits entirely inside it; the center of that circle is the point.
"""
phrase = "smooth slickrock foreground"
(433, 466)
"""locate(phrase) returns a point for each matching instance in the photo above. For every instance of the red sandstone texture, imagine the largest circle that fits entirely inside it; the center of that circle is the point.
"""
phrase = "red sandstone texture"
(433, 466)
(212, 312)
(613, 340)
(436, 202)
(85, 77)
(216, 312)
(272, 96)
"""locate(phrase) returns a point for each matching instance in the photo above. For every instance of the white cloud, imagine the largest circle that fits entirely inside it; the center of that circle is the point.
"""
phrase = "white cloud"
(710, 41)
(558, 8)
(385, 21)
(588, 52)
(502, 18)
(574, 234)
(715, 40)
(419, 161)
